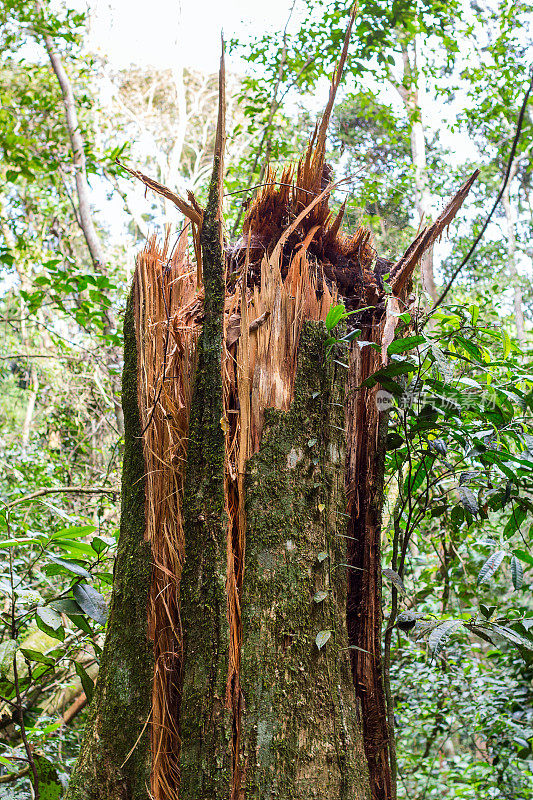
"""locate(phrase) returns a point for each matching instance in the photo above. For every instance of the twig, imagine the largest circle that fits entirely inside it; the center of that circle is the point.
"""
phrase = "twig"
(14, 776)
(478, 238)
(290, 185)
(59, 489)
(274, 105)
(61, 357)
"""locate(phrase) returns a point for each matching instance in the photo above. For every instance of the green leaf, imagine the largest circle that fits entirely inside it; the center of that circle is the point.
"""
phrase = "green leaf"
(468, 500)
(320, 596)
(479, 631)
(402, 345)
(7, 654)
(49, 617)
(66, 605)
(50, 622)
(321, 556)
(506, 343)
(517, 573)
(515, 520)
(490, 566)
(91, 602)
(50, 787)
(524, 556)
(321, 638)
(440, 635)
(419, 472)
(407, 619)
(334, 316)
(86, 680)
(390, 386)
(471, 348)
(69, 566)
(439, 445)
(487, 611)
(71, 546)
(511, 636)
(101, 543)
(390, 371)
(394, 578)
(19, 541)
(80, 621)
(74, 532)
(35, 655)
(394, 440)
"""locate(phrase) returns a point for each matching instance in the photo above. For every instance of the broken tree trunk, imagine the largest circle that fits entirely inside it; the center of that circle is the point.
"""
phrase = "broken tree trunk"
(114, 758)
(254, 468)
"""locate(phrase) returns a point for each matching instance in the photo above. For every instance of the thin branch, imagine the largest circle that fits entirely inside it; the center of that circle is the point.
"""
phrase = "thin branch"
(62, 489)
(478, 238)
(274, 105)
(14, 776)
(61, 357)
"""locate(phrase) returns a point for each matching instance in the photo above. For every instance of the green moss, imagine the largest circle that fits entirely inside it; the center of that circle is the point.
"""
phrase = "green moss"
(114, 759)
(301, 728)
(205, 722)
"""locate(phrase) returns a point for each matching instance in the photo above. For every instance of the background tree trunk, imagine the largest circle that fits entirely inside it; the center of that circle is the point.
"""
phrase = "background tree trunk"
(511, 259)
(409, 90)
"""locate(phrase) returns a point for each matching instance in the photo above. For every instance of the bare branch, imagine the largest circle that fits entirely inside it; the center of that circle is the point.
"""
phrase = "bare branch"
(63, 489)
(478, 238)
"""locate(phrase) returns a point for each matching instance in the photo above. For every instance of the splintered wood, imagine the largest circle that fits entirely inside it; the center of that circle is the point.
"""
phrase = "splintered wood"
(292, 263)
(166, 306)
(263, 324)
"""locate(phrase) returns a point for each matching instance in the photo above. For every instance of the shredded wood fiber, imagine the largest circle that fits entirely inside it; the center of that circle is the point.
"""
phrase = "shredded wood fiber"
(291, 264)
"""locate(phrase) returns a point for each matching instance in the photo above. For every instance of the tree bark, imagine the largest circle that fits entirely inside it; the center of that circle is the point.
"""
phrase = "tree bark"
(302, 728)
(114, 761)
(365, 471)
(205, 720)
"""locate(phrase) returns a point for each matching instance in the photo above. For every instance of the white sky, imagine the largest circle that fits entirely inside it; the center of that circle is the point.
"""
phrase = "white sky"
(163, 32)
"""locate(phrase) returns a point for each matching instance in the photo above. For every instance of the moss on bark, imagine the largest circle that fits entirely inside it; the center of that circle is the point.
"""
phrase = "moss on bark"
(205, 721)
(114, 762)
(301, 727)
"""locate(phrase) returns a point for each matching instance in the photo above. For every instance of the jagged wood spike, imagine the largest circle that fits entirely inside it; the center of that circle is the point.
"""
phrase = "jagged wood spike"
(186, 209)
(402, 271)
(335, 83)
(220, 137)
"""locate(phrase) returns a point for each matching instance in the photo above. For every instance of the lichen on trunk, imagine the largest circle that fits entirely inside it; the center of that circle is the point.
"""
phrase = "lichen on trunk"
(302, 730)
